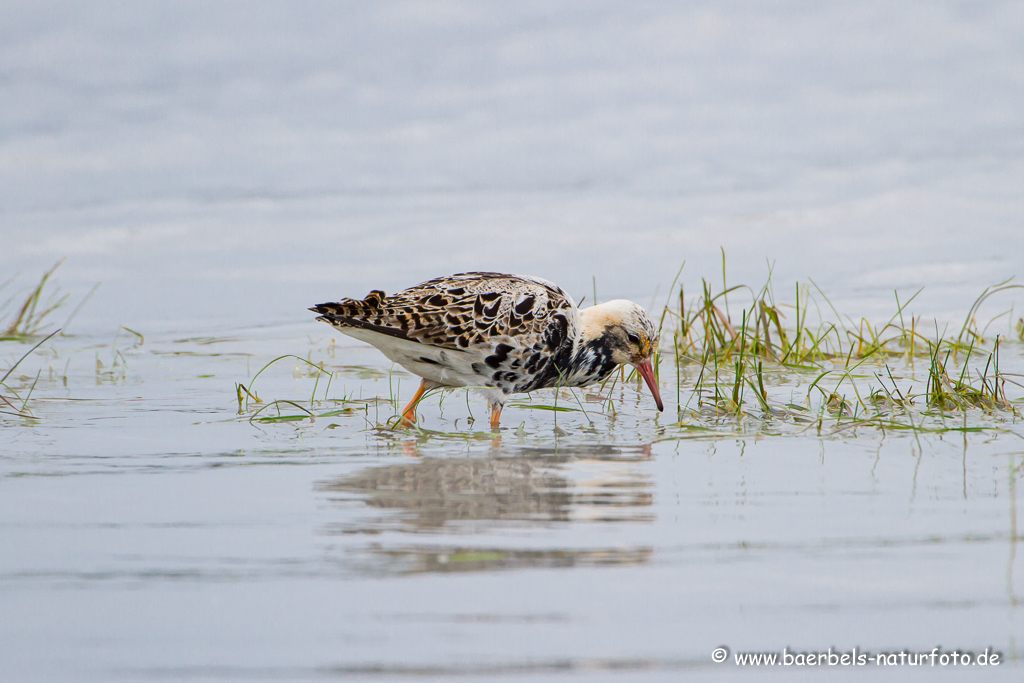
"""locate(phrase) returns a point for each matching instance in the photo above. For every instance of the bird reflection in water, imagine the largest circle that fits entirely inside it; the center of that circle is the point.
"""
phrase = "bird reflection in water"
(509, 490)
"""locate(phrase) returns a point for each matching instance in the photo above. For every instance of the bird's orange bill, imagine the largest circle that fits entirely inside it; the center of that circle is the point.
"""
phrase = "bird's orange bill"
(646, 371)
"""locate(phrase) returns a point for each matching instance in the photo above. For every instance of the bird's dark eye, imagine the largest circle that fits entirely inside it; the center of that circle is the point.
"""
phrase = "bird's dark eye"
(633, 339)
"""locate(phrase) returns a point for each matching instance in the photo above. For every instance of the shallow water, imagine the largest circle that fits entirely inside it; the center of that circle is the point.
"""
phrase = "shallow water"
(218, 170)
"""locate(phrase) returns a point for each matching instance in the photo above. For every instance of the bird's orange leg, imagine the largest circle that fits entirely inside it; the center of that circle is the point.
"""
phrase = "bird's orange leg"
(495, 415)
(409, 414)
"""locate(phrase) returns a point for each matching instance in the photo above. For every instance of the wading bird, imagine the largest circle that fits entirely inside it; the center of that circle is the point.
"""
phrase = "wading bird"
(500, 334)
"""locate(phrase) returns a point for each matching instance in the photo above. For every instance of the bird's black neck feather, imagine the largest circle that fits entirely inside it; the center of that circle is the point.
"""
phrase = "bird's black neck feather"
(591, 362)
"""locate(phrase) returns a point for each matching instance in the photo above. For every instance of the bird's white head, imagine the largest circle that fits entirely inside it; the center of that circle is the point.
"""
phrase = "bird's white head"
(628, 332)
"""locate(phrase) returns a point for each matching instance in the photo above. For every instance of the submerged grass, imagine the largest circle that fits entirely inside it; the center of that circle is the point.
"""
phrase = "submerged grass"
(253, 408)
(9, 403)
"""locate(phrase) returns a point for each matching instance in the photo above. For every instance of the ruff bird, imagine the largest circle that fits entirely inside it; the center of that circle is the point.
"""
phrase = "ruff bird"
(500, 334)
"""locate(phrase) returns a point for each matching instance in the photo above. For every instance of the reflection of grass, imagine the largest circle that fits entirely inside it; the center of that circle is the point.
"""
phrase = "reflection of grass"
(395, 428)
(8, 405)
(542, 406)
(361, 371)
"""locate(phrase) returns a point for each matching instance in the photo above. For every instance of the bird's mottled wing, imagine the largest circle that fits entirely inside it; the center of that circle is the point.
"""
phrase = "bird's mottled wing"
(464, 311)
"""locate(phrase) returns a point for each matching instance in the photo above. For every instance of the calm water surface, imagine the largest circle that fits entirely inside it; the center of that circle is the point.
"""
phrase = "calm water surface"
(217, 169)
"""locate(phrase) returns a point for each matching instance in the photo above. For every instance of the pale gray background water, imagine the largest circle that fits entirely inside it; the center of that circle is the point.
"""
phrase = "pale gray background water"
(236, 161)
(219, 167)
